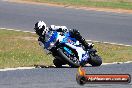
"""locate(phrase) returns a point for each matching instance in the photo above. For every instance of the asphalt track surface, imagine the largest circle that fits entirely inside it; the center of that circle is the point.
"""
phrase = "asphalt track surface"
(60, 77)
(93, 25)
(101, 26)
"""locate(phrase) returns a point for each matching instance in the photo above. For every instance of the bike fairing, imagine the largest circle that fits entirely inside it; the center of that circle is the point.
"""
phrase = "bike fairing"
(65, 38)
(66, 46)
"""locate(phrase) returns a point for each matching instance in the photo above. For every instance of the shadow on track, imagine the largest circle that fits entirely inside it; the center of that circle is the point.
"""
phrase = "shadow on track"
(52, 66)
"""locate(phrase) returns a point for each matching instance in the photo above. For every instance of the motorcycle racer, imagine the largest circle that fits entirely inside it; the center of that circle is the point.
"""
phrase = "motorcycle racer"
(41, 29)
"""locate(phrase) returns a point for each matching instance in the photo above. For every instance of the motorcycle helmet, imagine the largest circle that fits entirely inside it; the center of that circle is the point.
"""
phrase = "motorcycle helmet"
(40, 28)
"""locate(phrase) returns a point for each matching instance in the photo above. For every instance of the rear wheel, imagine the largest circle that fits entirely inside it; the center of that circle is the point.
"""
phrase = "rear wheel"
(95, 60)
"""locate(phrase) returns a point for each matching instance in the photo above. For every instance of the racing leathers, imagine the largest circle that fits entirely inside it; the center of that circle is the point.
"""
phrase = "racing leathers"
(73, 33)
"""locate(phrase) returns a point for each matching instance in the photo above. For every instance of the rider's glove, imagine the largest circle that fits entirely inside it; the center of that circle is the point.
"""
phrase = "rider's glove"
(74, 33)
(42, 39)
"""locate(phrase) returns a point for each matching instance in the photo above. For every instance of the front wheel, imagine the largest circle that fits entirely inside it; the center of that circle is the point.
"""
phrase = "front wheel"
(72, 61)
(95, 60)
(57, 63)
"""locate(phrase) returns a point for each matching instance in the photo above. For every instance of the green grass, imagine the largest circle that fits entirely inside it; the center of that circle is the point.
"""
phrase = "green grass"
(114, 53)
(124, 4)
(22, 49)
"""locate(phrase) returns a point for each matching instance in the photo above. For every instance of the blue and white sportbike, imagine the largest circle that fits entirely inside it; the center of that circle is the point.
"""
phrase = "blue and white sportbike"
(68, 50)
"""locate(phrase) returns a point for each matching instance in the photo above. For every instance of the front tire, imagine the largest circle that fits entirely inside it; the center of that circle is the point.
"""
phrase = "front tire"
(95, 60)
(57, 63)
(66, 59)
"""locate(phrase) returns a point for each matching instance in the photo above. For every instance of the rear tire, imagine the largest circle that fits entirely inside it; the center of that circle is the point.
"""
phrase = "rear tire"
(95, 60)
